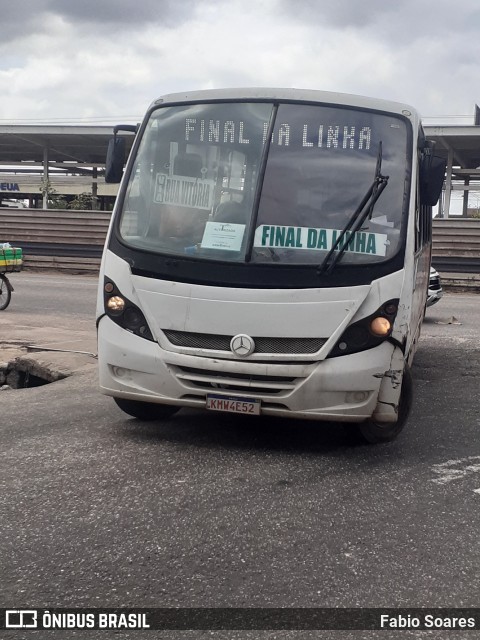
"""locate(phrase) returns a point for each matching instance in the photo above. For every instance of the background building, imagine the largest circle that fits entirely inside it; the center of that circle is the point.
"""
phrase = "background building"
(55, 166)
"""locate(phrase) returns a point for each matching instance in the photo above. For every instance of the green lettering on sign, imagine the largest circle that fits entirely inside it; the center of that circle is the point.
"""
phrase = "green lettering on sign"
(285, 237)
(371, 246)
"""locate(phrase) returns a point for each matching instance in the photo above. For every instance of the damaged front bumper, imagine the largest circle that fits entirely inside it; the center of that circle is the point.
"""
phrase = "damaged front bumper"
(350, 388)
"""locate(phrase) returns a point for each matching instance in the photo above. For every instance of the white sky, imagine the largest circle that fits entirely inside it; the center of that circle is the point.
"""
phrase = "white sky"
(104, 61)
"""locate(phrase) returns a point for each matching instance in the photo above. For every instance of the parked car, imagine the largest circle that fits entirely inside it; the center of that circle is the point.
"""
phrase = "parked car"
(435, 291)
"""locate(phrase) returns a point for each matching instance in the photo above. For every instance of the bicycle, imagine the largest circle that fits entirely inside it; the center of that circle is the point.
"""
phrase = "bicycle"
(11, 259)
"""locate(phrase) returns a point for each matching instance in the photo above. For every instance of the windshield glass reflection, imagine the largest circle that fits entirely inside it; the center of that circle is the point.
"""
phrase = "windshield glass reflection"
(198, 176)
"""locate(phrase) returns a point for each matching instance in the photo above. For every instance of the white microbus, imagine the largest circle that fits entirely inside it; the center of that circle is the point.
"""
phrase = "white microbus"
(269, 253)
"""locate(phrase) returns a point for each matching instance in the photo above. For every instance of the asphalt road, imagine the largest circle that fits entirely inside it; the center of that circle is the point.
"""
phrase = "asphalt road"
(212, 510)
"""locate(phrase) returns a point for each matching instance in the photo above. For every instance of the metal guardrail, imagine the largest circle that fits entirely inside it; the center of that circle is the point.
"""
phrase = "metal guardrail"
(456, 245)
(73, 240)
(55, 238)
(62, 263)
(461, 282)
(54, 226)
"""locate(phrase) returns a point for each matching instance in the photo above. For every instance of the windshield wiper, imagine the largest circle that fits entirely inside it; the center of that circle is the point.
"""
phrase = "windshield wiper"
(362, 212)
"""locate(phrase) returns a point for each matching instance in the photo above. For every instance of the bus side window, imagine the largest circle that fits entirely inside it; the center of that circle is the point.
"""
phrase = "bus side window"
(423, 225)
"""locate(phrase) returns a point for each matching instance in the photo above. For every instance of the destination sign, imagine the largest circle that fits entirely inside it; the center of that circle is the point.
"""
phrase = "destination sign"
(326, 136)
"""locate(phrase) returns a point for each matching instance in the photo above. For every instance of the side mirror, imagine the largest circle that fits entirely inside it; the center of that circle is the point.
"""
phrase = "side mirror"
(116, 153)
(115, 160)
(432, 175)
(431, 181)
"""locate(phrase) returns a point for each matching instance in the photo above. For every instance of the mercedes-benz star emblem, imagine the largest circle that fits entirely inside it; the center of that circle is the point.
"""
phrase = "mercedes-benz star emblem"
(242, 345)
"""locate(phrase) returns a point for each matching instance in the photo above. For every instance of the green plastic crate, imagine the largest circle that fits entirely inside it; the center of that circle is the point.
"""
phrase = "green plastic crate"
(11, 259)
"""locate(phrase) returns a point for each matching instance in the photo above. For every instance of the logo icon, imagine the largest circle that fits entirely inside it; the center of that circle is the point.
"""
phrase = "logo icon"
(242, 345)
(20, 619)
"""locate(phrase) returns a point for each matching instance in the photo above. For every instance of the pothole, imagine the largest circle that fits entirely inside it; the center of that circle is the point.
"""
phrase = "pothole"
(24, 373)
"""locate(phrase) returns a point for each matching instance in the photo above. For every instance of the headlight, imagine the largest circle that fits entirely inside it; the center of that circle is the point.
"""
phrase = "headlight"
(368, 332)
(124, 312)
(115, 304)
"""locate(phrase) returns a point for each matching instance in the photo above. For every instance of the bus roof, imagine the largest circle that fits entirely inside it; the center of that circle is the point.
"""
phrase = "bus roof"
(301, 95)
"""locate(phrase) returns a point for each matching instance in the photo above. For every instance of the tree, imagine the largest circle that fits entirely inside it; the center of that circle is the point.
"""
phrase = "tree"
(83, 201)
(54, 199)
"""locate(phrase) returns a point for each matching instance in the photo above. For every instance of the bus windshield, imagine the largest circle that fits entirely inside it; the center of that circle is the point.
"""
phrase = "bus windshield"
(266, 182)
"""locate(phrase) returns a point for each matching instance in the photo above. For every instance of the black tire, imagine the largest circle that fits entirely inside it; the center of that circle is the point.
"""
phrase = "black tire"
(5, 293)
(378, 432)
(146, 410)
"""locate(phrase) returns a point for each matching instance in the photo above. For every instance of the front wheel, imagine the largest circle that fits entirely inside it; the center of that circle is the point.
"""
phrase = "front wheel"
(378, 432)
(5, 292)
(146, 410)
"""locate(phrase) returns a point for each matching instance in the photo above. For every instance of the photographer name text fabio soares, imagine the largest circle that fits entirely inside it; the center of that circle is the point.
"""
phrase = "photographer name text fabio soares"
(427, 621)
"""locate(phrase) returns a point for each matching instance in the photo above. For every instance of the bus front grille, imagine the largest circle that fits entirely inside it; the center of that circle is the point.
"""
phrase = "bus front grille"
(210, 380)
(215, 342)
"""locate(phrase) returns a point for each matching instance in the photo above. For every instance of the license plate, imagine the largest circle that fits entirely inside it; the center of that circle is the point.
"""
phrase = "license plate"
(233, 404)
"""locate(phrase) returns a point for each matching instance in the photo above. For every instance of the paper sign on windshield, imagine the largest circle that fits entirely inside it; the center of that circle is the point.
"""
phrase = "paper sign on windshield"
(223, 235)
(184, 191)
(283, 237)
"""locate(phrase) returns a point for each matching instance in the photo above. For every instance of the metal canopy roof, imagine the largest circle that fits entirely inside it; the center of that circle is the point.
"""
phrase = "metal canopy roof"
(460, 146)
(88, 144)
(65, 144)
(77, 148)
(462, 141)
